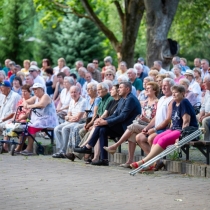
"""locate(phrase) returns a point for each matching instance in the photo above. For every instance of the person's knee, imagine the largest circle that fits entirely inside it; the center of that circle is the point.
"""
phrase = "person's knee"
(141, 138)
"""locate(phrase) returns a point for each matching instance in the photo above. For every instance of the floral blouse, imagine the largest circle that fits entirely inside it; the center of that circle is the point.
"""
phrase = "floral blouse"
(149, 111)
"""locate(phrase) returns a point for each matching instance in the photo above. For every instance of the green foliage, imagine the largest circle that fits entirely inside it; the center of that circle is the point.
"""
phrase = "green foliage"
(78, 39)
(174, 155)
(16, 29)
(191, 28)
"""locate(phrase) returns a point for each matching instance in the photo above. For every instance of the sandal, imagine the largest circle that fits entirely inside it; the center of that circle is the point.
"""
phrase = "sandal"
(89, 161)
(135, 164)
(159, 166)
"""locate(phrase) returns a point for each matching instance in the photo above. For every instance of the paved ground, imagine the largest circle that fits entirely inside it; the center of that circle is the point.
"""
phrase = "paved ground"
(41, 182)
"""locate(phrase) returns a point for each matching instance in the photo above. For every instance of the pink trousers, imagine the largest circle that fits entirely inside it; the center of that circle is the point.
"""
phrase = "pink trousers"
(167, 138)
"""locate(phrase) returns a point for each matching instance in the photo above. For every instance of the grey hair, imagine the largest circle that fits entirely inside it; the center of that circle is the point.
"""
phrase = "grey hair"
(109, 83)
(124, 63)
(178, 66)
(29, 75)
(149, 79)
(171, 75)
(138, 66)
(79, 62)
(185, 81)
(70, 80)
(127, 84)
(77, 88)
(207, 77)
(2, 72)
(33, 63)
(205, 60)
(133, 70)
(66, 67)
(91, 65)
(83, 69)
(103, 85)
(108, 58)
(170, 81)
(159, 63)
(123, 78)
(92, 85)
(177, 58)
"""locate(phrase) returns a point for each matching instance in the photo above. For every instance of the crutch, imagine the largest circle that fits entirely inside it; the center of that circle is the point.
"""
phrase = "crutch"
(169, 150)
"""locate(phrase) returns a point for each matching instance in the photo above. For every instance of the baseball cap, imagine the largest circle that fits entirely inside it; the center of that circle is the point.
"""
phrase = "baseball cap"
(12, 63)
(37, 85)
(140, 59)
(33, 68)
(5, 83)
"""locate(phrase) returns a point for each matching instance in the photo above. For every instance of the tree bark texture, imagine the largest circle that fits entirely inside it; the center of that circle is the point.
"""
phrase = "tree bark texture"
(159, 15)
(130, 22)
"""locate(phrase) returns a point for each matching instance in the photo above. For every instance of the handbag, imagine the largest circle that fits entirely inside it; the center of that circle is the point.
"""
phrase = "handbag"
(11, 128)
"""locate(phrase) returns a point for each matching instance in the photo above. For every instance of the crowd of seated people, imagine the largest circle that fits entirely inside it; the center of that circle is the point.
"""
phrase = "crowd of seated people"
(86, 105)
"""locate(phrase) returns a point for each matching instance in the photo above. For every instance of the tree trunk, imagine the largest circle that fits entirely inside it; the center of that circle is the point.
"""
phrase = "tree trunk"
(134, 10)
(159, 14)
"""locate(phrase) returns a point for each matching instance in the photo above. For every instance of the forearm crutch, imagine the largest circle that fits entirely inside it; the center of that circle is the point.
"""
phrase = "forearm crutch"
(169, 150)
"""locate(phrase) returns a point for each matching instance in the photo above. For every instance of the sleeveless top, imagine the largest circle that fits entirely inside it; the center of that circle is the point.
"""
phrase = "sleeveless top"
(162, 108)
(149, 111)
(45, 117)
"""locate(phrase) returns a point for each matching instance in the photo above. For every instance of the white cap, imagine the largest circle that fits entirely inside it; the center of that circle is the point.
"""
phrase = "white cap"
(189, 72)
(37, 85)
(33, 68)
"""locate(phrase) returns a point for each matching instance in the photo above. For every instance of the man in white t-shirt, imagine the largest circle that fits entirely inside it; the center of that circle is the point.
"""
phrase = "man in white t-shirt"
(33, 70)
(158, 66)
(75, 113)
(194, 86)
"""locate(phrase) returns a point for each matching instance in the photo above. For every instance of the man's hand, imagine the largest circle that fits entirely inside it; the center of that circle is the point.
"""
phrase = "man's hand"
(100, 122)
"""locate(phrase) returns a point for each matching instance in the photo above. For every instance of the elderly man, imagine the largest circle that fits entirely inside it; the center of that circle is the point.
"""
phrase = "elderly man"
(96, 63)
(75, 113)
(204, 116)
(88, 78)
(122, 69)
(115, 125)
(140, 71)
(8, 105)
(96, 74)
(136, 82)
(197, 63)
(194, 86)
(158, 66)
(75, 70)
(34, 72)
(176, 61)
(66, 70)
(205, 67)
(6, 67)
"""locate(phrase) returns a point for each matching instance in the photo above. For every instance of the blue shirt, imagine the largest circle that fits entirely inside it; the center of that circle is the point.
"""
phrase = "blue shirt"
(81, 81)
(184, 107)
(142, 76)
(12, 78)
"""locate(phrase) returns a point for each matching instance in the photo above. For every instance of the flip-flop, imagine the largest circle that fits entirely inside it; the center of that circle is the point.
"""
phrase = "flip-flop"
(125, 165)
(26, 153)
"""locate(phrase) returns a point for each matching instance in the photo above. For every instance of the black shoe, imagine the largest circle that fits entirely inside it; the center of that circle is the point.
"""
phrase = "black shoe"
(59, 155)
(101, 163)
(83, 150)
(70, 156)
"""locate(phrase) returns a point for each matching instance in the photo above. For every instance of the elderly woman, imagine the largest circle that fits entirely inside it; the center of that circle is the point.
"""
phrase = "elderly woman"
(142, 96)
(65, 98)
(110, 75)
(2, 76)
(148, 113)
(108, 64)
(22, 76)
(170, 74)
(22, 114)
(159, 80)
(198, 79)
(45, 116)
(16, 85)
(177, 71)
(188, 94)
(153, 74)
(183, 115)
(60, 67)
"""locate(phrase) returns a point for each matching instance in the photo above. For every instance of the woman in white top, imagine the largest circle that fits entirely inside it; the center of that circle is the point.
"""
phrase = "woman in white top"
(65, 98)
(45, 118)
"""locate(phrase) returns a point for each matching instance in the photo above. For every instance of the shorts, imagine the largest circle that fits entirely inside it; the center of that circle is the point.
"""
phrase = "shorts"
(33, 130)
(135, 129)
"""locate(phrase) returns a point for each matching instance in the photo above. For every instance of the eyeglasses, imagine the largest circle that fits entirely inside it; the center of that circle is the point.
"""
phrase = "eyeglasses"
(31, 71)
(88, 89)
(95, 62)
(109, 74)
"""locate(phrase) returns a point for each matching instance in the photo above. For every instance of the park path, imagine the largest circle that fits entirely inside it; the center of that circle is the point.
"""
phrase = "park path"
(41, 182)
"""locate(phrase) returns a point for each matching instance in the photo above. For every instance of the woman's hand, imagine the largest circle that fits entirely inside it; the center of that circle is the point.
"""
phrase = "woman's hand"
(142, 117)
(150, 131)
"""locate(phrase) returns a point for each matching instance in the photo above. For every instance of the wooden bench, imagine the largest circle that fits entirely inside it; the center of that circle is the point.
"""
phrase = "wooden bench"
(50, 133)
(203, 147)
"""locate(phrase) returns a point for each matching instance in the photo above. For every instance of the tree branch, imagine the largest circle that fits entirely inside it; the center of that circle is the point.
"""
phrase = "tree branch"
(120, 12)
(108, 33)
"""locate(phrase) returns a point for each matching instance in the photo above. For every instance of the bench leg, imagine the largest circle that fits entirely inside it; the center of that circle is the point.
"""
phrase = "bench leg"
(119, 149)
(207, 154)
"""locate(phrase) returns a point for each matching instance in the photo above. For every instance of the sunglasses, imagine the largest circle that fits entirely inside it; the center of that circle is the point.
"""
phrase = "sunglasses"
(31, 70)
(109, 74)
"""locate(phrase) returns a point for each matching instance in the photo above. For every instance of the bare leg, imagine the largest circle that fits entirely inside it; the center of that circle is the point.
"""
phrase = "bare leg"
(90, 135)
(151, 138)
(142, 141)
(30, 144)
(96, 151)
(131, 150)
(20, 146)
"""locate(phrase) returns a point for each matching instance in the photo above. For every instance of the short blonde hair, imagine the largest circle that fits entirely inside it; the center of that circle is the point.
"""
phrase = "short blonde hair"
(162, 76)
(153, 73)
(27, 61)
